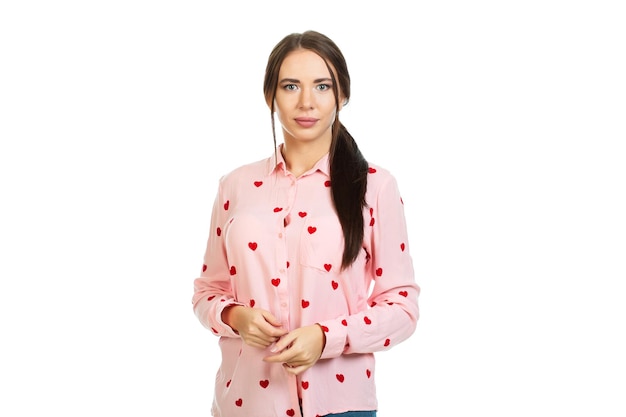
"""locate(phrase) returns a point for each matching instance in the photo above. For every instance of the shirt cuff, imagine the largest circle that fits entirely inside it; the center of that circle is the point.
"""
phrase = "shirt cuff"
(226, 330)
(336, 334)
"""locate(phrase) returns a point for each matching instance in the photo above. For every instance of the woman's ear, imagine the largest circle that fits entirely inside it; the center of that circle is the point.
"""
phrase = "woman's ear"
(342, 102)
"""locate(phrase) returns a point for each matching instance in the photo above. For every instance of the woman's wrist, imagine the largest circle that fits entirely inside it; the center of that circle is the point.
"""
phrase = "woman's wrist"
(323, 336)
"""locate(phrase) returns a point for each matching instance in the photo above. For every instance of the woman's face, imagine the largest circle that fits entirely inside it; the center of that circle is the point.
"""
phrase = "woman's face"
(305, 102)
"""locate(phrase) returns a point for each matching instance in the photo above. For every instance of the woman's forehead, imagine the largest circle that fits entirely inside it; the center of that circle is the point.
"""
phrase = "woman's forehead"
(303, 63)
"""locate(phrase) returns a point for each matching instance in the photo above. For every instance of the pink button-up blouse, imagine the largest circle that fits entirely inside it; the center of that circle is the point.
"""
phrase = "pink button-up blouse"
(276, 243)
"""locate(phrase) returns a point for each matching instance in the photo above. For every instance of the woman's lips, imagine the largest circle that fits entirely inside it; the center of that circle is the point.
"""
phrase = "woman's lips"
(306, 121)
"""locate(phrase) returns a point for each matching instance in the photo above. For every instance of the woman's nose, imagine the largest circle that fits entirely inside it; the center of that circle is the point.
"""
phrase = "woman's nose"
(305, 100)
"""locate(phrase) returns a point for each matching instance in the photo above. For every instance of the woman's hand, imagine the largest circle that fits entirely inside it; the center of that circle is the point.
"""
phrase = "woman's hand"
(299, 349)
(257, 327)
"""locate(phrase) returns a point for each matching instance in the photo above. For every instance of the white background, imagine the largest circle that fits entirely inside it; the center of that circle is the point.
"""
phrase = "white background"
(503, 122)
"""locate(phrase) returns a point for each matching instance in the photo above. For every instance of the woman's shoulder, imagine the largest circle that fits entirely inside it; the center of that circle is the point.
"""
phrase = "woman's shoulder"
(381, 181)
(378, 174)
(253, 170)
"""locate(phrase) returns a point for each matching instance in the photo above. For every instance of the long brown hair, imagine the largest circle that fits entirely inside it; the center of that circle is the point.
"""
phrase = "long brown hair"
(348, 167)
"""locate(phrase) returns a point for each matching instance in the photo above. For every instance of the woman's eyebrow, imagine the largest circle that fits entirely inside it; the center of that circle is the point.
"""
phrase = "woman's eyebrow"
(296, 81)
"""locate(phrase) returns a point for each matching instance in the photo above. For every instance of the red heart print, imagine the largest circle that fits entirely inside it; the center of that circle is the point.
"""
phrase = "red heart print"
(291, 413)
(312, 229)
(277, 209)
(302, 213)
(258, 183)
(379, 272)
(367, 320)
(228, 383)
(335, 285)
(305, 303)
(368, 373)
(327, 184)
(203, 267)
(226, 204)
(210, 297)
(402, 246)
(219, 231)
(327, 267)
(213, 330)
(339, 377)
(387, 342)
(275, 282)
(233, 270)
(372, 221)
(305, 384)
(371, 170)
(344, 322)
(252, 302)
(371, 212)
(239, 402)
(287, 264)
(324, 328)
(264, 383)
(404, 293)
(252, 245)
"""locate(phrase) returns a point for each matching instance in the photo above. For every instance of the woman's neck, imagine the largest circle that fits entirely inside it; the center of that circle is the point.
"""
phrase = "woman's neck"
(301, 157)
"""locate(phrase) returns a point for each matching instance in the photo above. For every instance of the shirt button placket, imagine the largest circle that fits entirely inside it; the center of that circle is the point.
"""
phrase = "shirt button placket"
(281, 259)
(283, 287)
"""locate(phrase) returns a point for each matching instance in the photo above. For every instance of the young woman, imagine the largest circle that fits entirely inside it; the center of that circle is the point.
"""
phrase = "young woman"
(307, 269)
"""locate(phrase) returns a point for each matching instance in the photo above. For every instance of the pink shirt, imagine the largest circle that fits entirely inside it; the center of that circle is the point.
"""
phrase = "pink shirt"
(276, 244)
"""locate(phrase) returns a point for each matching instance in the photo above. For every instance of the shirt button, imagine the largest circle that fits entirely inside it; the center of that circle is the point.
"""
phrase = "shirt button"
(281, 270)
(280, 235)
(283, 305)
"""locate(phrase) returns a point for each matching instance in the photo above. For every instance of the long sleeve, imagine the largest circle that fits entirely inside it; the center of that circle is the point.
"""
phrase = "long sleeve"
(394, 310)
(212, 290)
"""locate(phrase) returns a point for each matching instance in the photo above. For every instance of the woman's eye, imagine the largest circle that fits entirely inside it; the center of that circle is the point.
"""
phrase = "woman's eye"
(290, 87)
(323, 87)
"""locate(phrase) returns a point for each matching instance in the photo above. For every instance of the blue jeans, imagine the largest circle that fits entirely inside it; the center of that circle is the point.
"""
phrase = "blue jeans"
(353, 414)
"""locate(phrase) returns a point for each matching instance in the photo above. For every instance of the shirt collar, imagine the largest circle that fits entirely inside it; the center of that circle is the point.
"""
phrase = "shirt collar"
(277, 163)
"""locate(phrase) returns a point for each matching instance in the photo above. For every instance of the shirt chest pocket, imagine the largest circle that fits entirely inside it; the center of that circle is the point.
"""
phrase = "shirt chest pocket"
(321, 243)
